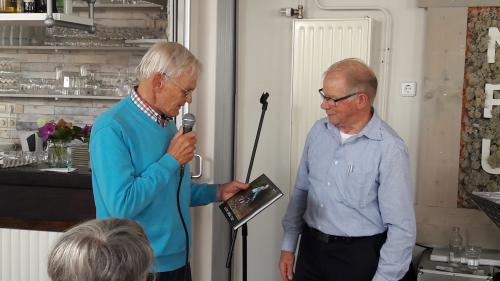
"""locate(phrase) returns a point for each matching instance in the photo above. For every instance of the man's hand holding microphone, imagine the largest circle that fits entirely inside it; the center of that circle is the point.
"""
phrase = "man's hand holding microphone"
(182, 148)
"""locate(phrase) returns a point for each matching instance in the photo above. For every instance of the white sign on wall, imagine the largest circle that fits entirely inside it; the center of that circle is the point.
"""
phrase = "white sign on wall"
(490, 101)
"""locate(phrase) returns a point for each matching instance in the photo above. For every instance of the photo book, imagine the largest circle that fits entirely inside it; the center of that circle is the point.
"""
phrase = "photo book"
(246, 204)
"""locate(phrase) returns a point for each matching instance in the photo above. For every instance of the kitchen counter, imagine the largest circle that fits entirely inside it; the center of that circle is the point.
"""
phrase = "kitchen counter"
(50, 201)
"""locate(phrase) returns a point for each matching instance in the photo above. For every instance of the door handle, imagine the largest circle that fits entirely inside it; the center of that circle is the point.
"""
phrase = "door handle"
(197, 167)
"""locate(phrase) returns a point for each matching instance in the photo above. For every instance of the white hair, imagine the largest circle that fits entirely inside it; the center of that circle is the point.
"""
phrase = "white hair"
(168, 58)
(111, 249)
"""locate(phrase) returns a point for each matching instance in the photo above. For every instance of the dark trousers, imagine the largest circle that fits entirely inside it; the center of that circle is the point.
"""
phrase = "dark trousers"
(181, 274)
(332, 259)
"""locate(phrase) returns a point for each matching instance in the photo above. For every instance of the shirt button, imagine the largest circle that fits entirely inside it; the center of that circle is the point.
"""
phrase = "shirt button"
(321, 205)
(336, 162)
(328, 183)
(319, 227)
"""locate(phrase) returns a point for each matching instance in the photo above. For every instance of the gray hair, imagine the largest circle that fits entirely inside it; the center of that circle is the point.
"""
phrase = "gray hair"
(169, 58)
(101, 250)
(359, 76)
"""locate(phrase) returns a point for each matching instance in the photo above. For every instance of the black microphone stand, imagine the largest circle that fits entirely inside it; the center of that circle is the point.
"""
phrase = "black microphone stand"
(244, 228)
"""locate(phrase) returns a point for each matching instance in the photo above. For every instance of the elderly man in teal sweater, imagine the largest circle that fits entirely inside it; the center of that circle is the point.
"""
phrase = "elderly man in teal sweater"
(137, 153)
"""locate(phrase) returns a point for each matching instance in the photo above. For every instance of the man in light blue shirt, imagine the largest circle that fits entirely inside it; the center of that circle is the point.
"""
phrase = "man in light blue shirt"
(353, 198)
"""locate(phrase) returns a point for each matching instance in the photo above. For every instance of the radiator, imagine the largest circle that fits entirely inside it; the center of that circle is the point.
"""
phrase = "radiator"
(316, 45)
(23, 254)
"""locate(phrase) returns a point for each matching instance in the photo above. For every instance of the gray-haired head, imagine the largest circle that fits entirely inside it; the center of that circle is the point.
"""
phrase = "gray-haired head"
(168, 58)
(102, 250)
(358, 75)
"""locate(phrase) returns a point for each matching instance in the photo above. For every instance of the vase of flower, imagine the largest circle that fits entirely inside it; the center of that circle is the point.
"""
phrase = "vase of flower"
(58, 136)
(59, 154)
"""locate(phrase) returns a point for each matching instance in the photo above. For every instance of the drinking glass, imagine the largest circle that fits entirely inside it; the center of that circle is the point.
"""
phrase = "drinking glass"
(472, 255)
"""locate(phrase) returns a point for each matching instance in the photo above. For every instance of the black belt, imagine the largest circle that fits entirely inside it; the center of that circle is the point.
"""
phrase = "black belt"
(327, 238)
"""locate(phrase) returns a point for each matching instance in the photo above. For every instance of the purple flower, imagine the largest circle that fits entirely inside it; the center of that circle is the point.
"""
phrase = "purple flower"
(86, 129)
(47, 130)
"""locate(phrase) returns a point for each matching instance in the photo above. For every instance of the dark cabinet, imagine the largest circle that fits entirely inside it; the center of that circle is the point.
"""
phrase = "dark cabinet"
(31, 199)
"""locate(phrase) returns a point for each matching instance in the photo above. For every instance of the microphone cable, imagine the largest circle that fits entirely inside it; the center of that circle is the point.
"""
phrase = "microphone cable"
(186, 234)
(188, 121)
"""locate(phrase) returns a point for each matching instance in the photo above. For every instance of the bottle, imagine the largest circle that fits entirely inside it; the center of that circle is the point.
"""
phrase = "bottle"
(29, 6)
(3, 6)
(40, 6)
(11, 6)
(456, 246)
(60, 6)
(20, 6)
(54, 6)
(68, 7)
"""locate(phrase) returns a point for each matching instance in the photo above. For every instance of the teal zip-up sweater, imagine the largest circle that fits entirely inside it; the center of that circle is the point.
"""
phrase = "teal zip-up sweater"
(133, 177)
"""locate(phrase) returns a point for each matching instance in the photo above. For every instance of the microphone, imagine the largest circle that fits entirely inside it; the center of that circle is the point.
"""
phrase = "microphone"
(188, 122)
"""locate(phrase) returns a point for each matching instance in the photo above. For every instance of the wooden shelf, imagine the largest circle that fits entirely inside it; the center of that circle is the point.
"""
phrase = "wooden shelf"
(118, 6)
(38, 19)
(124, 49)
(15, 95)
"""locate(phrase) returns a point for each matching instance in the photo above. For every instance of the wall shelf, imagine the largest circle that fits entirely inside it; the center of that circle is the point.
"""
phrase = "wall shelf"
(118, 6)
(38, 19)
(14, 95)
(124, 49)
(158, 2)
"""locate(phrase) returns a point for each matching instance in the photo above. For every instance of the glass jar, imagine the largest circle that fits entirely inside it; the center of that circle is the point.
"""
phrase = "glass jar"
(59, 154)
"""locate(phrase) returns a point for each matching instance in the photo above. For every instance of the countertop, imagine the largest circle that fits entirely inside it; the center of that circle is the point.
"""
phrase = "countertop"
(32, 176)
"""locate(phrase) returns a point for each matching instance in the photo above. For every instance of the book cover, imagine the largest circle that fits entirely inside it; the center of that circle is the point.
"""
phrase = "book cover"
(246, 204)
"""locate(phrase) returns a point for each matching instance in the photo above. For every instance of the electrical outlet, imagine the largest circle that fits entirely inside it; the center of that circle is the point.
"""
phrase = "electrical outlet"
(408, 89)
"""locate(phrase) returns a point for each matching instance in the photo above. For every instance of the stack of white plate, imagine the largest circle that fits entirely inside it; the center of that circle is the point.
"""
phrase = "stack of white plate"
(80, 156)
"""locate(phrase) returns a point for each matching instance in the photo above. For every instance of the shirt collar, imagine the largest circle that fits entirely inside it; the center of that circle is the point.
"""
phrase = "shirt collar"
(371, 130)
(160, 119)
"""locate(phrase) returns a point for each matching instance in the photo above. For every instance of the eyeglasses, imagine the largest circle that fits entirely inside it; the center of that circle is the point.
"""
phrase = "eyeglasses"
(332, 101)
(185, 92)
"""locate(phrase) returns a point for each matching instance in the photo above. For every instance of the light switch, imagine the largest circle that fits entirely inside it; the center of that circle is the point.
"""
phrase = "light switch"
(408, 89)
